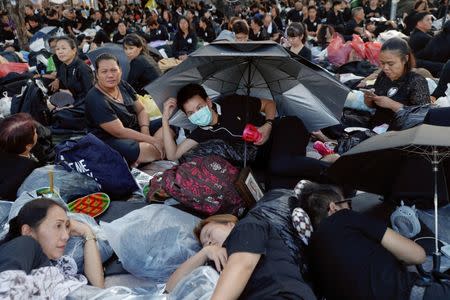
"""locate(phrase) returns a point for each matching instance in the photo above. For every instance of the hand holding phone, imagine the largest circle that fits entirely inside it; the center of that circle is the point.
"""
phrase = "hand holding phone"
(368, 92)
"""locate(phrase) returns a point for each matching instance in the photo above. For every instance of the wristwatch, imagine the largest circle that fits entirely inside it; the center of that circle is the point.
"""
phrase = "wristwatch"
(269, 121)
(90, 236)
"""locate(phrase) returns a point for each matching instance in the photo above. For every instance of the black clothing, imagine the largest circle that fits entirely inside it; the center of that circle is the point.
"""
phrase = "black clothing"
(279, 23)
(52, 22)
(207, 35)
(182, 45)
(372, 13)
(33, 30)
(77, 78)
(6, 34)
(349, 262)
(312, 26)
(350, 26)
(305, 53)
(437, 49)
(118, 38)
(66, 24)
(294, 16)
(159, 34)
(410, 89)
(101, 109)
(171, 27)
(143, 70)
(14, 169)
(276, 276)
(336, 20)
(418, 41)
(22, 253)
(444, 80)
(274, 30)
(262, 35)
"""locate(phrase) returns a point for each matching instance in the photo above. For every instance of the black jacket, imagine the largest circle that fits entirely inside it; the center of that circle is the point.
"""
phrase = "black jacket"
(183, 45)
(159, 34)
(77, 78)
(143, 70)
(418, 41)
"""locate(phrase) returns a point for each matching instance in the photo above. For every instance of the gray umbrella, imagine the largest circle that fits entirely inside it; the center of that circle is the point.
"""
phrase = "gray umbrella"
(374, 164)
(259, 69)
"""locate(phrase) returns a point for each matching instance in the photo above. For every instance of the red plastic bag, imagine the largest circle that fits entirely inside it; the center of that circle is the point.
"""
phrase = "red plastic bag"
(10, 67)
(358, 46)
(338, 51)
(373, 50)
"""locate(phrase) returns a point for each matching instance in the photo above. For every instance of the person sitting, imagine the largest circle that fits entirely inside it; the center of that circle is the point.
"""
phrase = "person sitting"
(122, 31)
(157, 32)
(114, 115)
(373, 10)
(443, 82)
(335, 17)
(73, 74)
(356, 25)
(396, 85)
(271, 28)
(167, 21)
(205, 30)
(185, 40)
(418, 41)
(312, 22)
(143, 68)
(438, 48)
(257, 30)
(296, 37)
(38, 235)
(358, 251)
(17, 138)
(247, 254)
(241, 30)
(226, 120)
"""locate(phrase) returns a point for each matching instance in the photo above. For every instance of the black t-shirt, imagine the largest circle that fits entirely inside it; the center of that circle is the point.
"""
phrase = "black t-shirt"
(76, 77)
(100, 109)
(14, 169)
(159, 34)
(349, 262)
(232, 119)
(276, 276)
(22, 253)
(312, 25)
(305, 53)
(66, 23)
(410, 89)
(262, 35)
(143, 70)
(351, 25)
(418, 41)
(182, 45)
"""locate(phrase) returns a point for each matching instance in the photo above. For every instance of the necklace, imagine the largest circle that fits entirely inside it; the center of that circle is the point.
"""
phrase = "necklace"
(115, 98)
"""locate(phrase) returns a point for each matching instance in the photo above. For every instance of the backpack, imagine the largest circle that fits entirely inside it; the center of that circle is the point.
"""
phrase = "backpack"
(205, 184)
(32, 101)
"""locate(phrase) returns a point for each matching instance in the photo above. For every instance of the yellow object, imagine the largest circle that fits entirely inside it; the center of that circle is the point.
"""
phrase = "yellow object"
(150, 107)
(151, 4)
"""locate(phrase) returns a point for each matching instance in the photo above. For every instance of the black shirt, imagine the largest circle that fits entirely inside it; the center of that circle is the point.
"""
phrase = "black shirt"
(207, 35)
(273, 30)
(53, 22)
(143, 70)
(276, 276)
(22, 253)
(101, 109)
(232, 117)
(294, 16)
(76, 77)
(418, 41)
(350, 27)
(335, 19)
(349, 262)
(159, 34)
(14, 169)
(118, 37)
(312, 25)
(66, 23)
(262, 35)
(410, 89)
(183, 45)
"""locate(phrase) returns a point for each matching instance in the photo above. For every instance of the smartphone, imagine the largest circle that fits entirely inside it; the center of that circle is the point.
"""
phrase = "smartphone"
(370, 92)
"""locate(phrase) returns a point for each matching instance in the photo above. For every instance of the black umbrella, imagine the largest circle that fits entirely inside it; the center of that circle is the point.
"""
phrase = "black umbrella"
(258, 69)
(375, 164)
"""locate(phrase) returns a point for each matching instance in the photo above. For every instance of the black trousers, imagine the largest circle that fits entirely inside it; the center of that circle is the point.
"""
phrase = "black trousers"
(443, 81)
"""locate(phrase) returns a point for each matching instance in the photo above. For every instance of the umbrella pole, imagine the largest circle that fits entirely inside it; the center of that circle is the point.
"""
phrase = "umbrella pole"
(437, 253)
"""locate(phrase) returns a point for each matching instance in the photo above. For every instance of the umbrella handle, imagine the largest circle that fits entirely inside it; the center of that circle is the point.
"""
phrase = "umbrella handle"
(426, 277)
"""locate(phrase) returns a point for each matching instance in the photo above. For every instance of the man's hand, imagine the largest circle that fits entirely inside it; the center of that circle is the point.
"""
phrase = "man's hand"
(54, 86)
(265, 130)
(169, 107)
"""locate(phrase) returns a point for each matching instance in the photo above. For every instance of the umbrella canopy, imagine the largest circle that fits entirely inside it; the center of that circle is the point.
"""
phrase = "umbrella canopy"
(117, 51)
(259, 69)
(380, 162)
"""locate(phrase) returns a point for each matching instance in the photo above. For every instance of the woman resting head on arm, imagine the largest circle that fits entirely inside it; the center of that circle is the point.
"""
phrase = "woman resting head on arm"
(396, 85)
(40, 232)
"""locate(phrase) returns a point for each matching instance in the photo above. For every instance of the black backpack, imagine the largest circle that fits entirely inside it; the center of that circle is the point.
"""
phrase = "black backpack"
(32, 101)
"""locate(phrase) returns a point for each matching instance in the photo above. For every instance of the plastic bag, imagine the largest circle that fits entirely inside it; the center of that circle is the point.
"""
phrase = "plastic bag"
(72, 185)
(351, 139)
(198, 285)
(5, 208)
(10, 67)
(372, 52)
(150, 107)
(75, 245)
(5, 105)
(118, 293)
(338, 52)
(358, 46)
(153, 241)
(409, 116)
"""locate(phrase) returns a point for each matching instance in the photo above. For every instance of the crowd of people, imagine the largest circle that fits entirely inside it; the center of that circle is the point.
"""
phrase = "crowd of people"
(249, 253)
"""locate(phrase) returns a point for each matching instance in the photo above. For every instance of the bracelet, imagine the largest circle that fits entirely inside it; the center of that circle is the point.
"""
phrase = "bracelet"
(144, 126)
(269, 121)
(89, 237)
